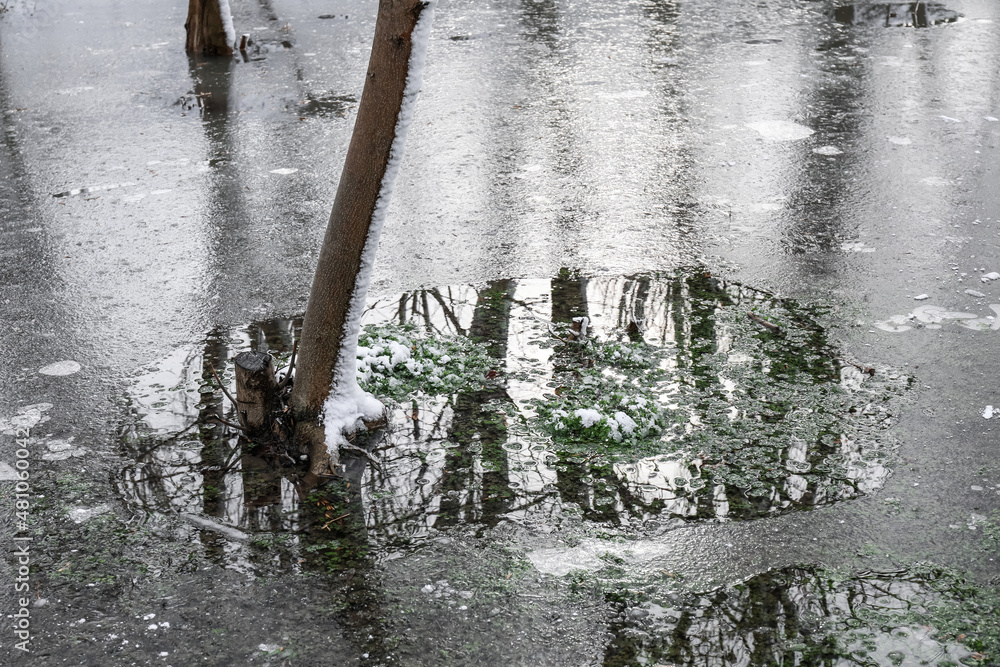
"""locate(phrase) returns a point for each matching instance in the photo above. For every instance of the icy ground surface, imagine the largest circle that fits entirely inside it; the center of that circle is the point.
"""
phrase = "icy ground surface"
(158, 211)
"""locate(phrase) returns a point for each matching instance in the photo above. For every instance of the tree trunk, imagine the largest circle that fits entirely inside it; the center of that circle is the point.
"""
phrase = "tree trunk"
(328, 343)
(206, 28)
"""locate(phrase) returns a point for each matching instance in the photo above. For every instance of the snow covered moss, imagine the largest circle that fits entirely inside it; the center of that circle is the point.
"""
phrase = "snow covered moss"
(611, 395)
(397, 361)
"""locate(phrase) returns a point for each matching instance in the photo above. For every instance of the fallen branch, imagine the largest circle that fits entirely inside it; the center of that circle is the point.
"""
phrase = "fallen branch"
(773, 328)
(867, 370)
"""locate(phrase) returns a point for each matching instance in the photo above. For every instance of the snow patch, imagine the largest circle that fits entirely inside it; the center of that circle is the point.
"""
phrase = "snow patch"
(81, 514)
(588, 417)
(8, 473)
(780, 130)
(827, 150)
(227, 22)
(625, 423)
(348, 405)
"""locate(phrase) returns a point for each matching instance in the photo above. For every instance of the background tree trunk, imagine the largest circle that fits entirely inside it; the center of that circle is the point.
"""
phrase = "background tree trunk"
(341, 269)
(206, 31)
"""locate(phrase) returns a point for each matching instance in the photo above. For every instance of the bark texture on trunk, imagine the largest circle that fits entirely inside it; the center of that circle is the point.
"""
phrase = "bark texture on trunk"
(206, 33)
(337, 274)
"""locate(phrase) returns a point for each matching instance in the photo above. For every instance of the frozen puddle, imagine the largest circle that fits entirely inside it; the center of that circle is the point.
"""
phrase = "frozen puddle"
(935, 317)
(60, 368)
(60, 450)
(26, 418)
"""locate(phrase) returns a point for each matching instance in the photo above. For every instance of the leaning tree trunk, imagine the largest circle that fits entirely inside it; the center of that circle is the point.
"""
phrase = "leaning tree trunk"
(210, 28)
(326, 401)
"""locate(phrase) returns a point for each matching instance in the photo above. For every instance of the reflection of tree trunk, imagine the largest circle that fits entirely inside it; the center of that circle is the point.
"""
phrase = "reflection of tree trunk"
(261, 491)
(698, 297)
(275, 336)
(489, 327)
(569, 296)
(214, 445)
(569, 300)
(338, 547)
(491, 317)
(206, 32)
(638, 290)
(339, 288)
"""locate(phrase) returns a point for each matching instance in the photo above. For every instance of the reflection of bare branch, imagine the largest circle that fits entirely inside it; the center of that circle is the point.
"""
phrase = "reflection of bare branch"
(166, 441)
(773, 328)
(448, 312)
(227, 422)
(221, 385)
(401, 312)
(427, 311)
(364, 452)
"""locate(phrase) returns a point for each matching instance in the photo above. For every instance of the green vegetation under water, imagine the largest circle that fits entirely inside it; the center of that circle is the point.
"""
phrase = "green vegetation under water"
(919, 615)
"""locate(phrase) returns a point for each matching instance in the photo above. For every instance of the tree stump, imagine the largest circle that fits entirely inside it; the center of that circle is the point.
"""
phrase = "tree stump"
(257, 394)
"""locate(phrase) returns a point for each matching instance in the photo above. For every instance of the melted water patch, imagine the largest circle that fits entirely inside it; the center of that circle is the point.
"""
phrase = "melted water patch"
(689, 398)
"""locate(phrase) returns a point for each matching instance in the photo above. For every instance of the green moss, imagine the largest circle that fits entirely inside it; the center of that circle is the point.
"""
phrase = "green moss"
(397, 361)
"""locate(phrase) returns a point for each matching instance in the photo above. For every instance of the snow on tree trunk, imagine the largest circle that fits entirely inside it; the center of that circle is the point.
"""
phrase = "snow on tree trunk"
(326, 389)
(210, 28)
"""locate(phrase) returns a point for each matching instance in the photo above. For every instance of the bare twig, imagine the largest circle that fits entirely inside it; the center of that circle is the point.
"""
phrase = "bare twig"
(773, 328)
(354, 448)
(448, 312)
(291, 366)
(227, 422)
(223, 386)
(868, 370)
